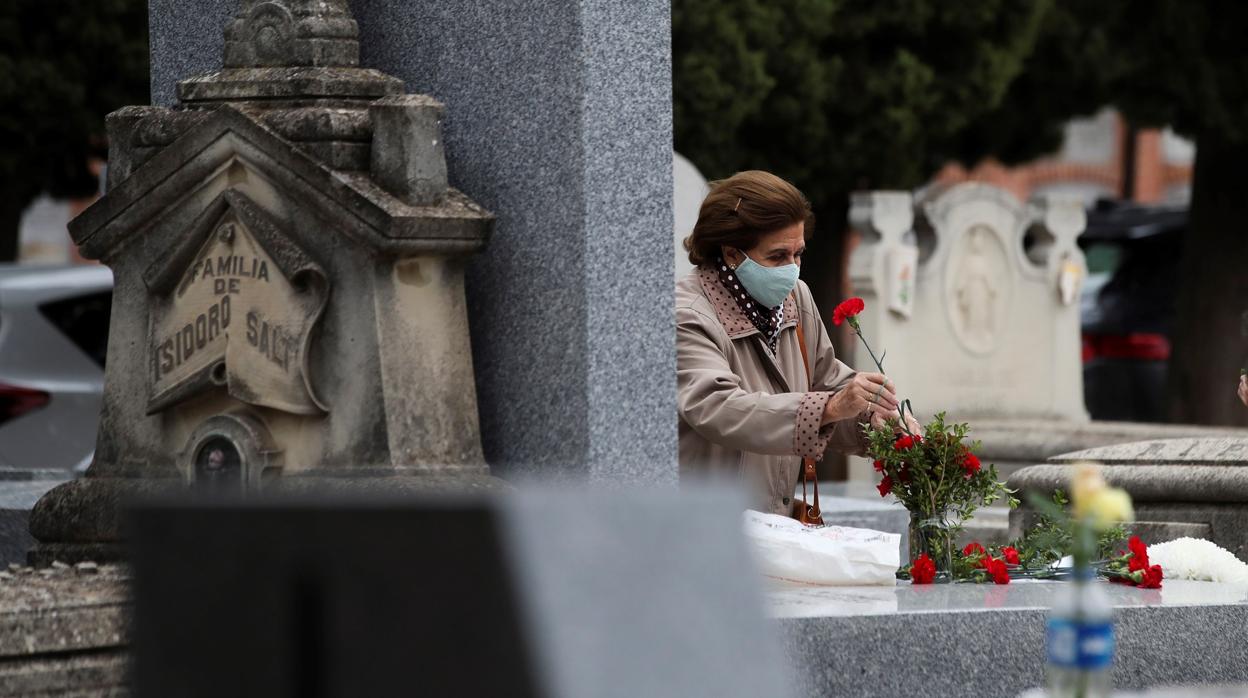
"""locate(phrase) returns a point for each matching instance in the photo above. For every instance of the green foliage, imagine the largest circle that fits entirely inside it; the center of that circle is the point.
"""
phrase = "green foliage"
(63, 67)
(1051, 537)
(838, 95)
(930, 476)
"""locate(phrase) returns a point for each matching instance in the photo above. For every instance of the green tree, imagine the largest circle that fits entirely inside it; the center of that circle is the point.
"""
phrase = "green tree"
(63, 67)
(840, 95)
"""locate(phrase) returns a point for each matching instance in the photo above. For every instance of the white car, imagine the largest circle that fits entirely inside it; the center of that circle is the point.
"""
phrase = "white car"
(53, 343)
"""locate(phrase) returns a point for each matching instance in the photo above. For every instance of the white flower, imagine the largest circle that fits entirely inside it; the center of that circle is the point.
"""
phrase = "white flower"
(1194, 558)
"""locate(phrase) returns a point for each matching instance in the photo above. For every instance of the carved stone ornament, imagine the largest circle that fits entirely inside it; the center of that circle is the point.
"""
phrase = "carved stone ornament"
(234, 314)
(977, 288)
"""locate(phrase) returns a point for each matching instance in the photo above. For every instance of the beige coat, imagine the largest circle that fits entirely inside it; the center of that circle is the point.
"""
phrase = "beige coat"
(745, 413)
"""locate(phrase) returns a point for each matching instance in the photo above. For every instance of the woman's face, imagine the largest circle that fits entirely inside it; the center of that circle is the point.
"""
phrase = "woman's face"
(775, 249)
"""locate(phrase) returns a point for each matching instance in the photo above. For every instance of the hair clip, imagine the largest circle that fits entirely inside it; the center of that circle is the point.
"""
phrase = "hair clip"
(734, 208)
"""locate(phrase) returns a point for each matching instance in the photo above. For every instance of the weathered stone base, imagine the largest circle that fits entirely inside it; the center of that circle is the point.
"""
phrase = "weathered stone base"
(83, 520)
(63, 631)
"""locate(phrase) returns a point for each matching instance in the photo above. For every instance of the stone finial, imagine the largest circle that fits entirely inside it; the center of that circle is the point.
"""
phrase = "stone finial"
(408, 158)
(287, 33)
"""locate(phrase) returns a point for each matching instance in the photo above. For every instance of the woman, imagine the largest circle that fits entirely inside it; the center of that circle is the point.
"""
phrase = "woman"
(747, 407)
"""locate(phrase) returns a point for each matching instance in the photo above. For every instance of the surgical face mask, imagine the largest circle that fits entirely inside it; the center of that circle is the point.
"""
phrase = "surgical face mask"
(768, 285)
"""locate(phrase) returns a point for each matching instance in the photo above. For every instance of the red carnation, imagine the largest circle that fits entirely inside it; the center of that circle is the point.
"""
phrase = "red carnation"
(885, 486)
(1151, 578)
(970, 463)
(973, 548)
(1139, 555)
(1000, 573)
(1010, 555)
(879, 466)
(847, 310)
(906, 441)
(923, 571)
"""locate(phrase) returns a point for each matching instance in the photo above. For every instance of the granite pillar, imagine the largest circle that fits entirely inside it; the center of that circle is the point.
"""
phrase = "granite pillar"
(558, 120)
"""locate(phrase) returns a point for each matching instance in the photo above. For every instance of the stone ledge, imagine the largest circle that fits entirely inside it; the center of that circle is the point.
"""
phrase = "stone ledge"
(1148, 483)
(1035, 440)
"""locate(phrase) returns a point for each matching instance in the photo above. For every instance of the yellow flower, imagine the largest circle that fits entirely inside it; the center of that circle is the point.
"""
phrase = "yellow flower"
(1110, 506)
(1095, 501)
(1085, 484)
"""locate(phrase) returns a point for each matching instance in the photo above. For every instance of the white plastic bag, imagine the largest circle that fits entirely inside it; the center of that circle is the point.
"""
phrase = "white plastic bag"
(831, 555)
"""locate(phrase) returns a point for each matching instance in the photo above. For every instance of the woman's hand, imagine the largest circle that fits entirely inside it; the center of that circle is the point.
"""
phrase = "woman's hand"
(912, 425)
(1243, 390)
(866, 392)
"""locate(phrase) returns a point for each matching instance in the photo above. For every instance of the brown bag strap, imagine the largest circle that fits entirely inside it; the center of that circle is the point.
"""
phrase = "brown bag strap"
(808, 464)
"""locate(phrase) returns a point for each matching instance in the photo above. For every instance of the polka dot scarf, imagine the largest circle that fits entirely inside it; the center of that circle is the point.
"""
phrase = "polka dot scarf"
(767, 320)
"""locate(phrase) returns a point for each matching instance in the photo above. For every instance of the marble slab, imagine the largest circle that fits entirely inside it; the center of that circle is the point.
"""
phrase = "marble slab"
(967, 639)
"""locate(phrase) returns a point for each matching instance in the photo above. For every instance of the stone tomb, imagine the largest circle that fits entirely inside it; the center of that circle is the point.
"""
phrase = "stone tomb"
(289, 303)
(972, 294)
(1195, 487)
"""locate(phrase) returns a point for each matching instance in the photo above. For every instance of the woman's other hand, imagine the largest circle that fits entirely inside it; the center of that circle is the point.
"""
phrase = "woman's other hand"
(1243, 390)
(866, 392)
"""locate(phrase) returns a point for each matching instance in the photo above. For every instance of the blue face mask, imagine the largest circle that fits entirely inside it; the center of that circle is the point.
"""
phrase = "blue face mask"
(768, 285)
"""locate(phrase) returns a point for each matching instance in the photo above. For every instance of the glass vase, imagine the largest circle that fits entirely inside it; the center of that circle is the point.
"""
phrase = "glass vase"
(934, 534)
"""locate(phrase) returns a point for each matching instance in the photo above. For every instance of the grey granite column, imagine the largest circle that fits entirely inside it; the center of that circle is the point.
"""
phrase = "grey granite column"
(559, 121)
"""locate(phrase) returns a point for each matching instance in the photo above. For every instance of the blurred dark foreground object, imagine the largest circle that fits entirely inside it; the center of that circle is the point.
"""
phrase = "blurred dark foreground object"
(533, 594)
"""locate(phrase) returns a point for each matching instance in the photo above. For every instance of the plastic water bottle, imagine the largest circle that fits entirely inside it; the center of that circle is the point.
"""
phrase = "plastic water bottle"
(1080, 641)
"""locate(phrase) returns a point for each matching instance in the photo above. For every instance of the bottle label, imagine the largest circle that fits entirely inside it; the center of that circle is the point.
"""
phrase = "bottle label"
(1074, 645)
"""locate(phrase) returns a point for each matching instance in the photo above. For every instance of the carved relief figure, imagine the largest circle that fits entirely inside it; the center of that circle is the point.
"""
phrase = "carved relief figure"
(976, 290)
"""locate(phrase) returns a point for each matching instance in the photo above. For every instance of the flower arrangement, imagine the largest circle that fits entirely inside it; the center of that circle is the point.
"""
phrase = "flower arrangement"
(1088, 531)
(938, 478)
(935, 474)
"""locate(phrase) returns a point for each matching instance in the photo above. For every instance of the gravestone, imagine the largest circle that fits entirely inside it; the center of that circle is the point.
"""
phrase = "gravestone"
(289, 309)
(578, 594)
(560, 123)
(1195, 487)
(973, 296)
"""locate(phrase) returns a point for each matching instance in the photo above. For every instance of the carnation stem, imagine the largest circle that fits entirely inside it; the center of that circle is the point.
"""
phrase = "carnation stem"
(879, 363)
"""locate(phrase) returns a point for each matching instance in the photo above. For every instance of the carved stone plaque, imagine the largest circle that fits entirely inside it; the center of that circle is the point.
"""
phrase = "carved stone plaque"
(978, 288)
(237, 316)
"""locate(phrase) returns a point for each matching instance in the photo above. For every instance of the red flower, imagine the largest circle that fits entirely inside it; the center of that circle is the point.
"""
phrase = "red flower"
(973, 548)
(906, 441)
(885, 486)
(1139, 555)
(1000, 573)
(1151, 578)
(923, 571)
(970, 463)
(1010, 555)
(879, 466)
(904, 475)
(847, 309)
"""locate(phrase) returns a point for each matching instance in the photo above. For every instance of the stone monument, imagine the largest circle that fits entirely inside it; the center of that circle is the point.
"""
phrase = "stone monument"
(973, 295)
(561, 125)
(289, 268)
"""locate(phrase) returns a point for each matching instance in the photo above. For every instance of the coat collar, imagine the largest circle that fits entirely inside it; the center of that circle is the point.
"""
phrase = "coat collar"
(735, 323)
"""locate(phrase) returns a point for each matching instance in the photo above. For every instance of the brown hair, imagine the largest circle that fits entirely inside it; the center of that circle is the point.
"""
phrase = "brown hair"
(741, 209)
